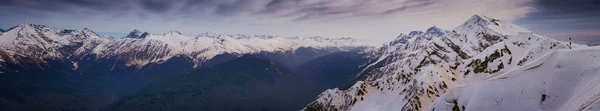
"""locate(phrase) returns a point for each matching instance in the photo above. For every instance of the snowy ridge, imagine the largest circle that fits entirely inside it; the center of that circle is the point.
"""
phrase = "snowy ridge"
(416, 68)
(139, 49)
(40, 42)
(137, 34)
(564, 80)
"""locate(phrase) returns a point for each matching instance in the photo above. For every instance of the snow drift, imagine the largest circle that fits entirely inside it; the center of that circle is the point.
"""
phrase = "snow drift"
(564, 80)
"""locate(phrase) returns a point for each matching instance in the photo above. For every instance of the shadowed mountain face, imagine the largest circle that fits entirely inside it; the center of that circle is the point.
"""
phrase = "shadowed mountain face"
(54, 85)
(93, 84)
(246, 83)
(340, 69)
(30, 90)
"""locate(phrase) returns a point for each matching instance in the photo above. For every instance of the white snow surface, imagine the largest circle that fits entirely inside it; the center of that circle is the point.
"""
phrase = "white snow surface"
(416, 68)
(38, 41)
(564, 80)
(10, 37)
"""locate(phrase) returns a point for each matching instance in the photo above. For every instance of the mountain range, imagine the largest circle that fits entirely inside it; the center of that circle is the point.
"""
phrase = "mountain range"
(139, 49)
(45, 68)
(482, 64)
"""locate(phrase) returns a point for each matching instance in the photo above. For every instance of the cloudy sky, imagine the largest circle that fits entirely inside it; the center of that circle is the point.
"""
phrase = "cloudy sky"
(376, 20)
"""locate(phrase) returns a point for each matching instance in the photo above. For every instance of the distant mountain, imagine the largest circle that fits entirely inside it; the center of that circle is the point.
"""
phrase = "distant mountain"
(136, 34)
(246, 83)
(413, 70)
(60, 69)
(139, 49)
(591, 41)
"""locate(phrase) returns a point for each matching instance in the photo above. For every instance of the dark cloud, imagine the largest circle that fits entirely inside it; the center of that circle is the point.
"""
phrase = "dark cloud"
(36, 5)
(563, 17)
(302, 9)
(156, 6)
(571, 11)
(556, 9)
(97, 4)
(236, 7)
(65, 5)
(411, 4)
(328, 9)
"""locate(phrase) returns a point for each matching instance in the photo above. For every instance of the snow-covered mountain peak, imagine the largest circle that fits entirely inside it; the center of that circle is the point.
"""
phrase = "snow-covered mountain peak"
(23, 25)
(478, 23)
(173, 33)
(31, 26)
(137, 34)
(413, 33)
(39, 41)
(207, 34)
(416, 36)
(435, 31)
(480, 18)
(432, 31)
(87, 31)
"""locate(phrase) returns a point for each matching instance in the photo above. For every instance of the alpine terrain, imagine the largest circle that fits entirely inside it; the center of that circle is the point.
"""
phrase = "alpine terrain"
(307, 55)
(482, 64)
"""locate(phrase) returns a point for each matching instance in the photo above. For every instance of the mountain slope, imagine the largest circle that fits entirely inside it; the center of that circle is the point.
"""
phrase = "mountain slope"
(564, 80)
(340, 69)
(246, 83)
(416, 68)
(55, 90)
